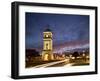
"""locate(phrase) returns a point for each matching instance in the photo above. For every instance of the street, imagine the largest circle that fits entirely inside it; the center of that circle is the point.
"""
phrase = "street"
(55, 64)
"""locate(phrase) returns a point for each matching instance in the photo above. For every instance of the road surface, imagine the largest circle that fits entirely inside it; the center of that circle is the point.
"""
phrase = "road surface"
(64, 63)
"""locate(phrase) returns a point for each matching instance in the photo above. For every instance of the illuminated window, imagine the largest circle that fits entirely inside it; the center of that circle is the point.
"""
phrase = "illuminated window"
(46, 57)
(46, 35)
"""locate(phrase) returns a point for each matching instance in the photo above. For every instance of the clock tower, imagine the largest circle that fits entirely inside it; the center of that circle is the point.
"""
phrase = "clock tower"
(47, 53)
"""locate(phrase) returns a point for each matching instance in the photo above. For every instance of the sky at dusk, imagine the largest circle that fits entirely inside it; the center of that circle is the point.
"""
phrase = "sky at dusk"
(65, 28)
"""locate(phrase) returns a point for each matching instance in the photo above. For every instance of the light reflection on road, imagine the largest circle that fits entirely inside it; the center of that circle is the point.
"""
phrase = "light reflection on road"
(53, 63)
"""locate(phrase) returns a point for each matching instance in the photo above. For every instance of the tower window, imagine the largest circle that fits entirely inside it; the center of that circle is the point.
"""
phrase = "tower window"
(46, 35)
(46, 46)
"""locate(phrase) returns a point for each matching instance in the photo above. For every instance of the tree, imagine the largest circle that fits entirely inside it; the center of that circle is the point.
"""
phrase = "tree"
(75, 54)
(32, 52)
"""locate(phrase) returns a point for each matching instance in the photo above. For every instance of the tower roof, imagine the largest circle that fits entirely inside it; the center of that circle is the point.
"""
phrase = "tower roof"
(46, 30)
